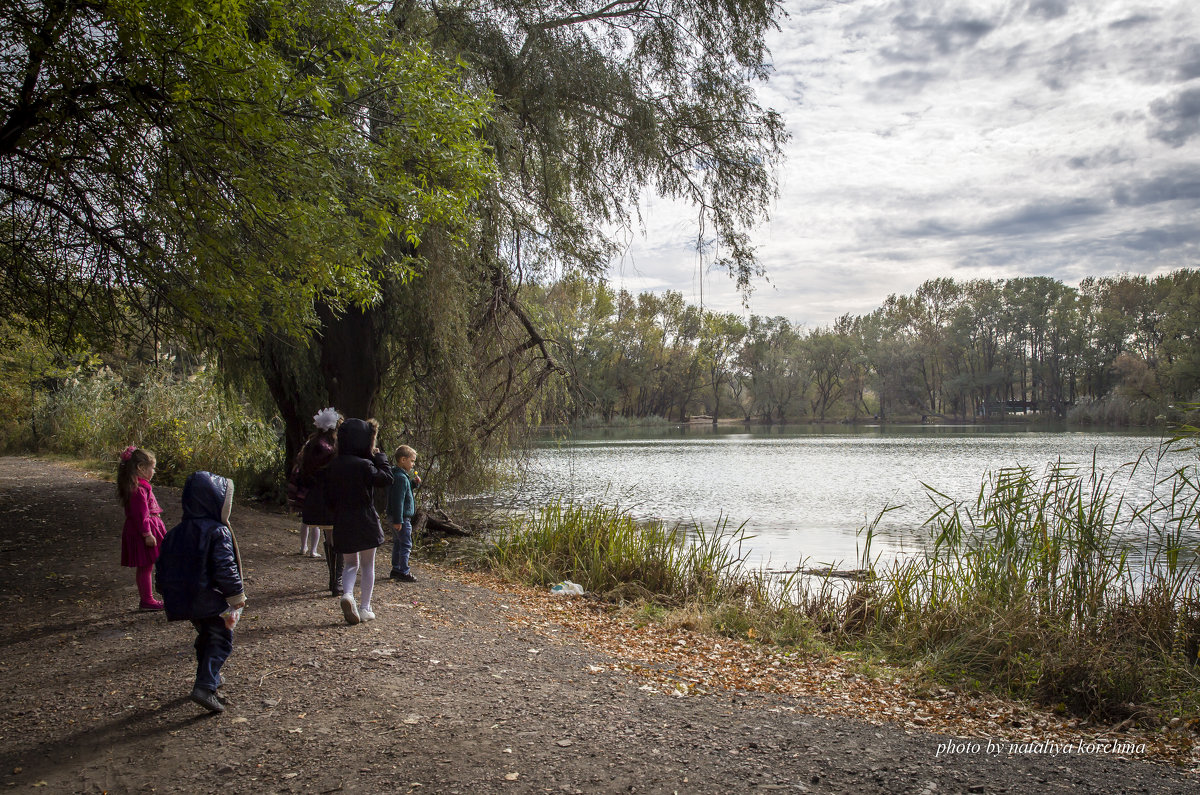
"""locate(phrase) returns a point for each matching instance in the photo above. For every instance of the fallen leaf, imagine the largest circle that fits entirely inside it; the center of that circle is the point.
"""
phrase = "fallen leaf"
(507, 777)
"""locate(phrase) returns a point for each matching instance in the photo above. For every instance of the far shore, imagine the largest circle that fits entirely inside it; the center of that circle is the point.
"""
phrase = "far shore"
(917, 419)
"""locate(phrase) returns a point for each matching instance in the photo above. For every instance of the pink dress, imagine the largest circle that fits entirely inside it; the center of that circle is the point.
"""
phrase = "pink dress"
(142, 515)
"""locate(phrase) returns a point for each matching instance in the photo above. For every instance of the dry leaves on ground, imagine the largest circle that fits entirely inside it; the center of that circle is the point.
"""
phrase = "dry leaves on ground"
(677, 662)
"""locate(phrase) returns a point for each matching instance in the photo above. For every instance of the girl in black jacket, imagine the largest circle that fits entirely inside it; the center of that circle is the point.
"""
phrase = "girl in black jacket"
(349, 484)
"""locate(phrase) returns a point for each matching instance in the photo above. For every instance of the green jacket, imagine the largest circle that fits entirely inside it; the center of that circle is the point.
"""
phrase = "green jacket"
(400, 504)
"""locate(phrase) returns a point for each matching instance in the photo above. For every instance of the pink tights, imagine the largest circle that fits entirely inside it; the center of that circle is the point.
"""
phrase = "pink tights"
(143, 584)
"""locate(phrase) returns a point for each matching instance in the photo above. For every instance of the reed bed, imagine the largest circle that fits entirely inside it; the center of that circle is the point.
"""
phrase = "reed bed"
(188, 420)
(607, 551)
(1047, 586)
(1050, 587)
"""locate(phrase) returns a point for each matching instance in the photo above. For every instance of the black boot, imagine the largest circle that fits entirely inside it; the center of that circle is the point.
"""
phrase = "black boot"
(336, 563)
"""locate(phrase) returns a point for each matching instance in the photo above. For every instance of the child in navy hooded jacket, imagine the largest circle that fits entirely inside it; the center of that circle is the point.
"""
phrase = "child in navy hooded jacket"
(199, 575)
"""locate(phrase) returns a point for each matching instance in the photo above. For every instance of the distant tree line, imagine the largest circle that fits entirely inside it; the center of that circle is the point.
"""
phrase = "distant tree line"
(1118, 350)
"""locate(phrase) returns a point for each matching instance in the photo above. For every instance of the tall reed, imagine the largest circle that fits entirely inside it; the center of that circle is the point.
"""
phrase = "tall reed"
(1051, 586)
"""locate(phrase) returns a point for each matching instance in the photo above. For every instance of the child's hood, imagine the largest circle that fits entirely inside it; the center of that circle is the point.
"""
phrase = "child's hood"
(355, 438)
(207, 496)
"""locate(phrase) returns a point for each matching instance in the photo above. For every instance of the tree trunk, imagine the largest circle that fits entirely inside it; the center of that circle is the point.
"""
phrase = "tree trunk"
(292, 377)
(437, 521)
(341, 365)
(351, 359)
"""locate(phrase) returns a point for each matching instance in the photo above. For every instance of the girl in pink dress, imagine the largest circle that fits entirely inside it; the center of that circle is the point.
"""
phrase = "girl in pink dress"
(144, 528)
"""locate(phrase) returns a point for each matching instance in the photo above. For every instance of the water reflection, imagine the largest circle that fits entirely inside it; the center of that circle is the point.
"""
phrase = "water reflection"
(804, 492)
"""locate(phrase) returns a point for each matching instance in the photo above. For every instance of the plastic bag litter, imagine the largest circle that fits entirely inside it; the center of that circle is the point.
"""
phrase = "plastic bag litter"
(567, 588)
(232, 616)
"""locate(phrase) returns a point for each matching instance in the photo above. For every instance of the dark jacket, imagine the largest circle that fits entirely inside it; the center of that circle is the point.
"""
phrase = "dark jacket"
(198, 572)
(400, 505)
(318, 453)
(349, 484)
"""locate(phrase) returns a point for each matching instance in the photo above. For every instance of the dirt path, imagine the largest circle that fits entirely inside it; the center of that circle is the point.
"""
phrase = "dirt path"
(456, 687)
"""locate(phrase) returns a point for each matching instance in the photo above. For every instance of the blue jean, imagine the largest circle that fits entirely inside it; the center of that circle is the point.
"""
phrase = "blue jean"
(214, 644)
(401, 547)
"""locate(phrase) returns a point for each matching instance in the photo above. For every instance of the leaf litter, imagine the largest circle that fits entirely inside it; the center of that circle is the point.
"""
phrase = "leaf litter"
(675, 661)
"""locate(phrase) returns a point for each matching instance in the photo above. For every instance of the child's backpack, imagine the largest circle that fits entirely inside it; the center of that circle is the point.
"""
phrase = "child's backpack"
(296, 491)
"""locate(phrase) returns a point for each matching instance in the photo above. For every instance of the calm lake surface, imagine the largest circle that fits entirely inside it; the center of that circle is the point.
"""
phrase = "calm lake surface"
(804, 492)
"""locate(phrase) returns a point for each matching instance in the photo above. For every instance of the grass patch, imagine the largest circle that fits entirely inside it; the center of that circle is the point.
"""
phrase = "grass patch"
(607, 551)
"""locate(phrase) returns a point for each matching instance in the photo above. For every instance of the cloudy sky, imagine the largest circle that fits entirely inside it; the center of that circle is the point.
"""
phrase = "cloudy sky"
(962, 138)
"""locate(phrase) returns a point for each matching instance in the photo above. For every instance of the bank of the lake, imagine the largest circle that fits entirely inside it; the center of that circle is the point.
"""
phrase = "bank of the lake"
(1031, 589)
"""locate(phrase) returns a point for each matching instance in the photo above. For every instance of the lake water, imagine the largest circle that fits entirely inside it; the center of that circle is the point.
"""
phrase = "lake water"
(804, 492)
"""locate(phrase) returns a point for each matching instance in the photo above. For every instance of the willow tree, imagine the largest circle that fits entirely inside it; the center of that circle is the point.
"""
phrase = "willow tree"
(593, 105)
(229, 171)
(293, 180)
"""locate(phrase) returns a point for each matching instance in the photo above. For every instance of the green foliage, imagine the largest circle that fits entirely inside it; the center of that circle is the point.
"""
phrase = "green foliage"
(775, 368)
(216, 166)
(633, 357)
(187, 419)
(29, 366)
(1115, 351)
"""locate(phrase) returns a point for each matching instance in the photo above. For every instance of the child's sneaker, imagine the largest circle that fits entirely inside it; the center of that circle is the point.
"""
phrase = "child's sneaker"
(366, 615)
(207, 699)
(349, 610)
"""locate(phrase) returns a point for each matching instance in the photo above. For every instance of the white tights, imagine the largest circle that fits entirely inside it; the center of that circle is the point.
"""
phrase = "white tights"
(310, 539)
(357, 562)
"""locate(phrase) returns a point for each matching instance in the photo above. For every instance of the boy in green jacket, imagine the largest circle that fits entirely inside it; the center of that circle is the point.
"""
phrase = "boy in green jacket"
(401, 508)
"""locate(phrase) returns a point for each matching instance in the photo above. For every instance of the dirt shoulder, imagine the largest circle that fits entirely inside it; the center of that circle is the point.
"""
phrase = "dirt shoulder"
(462, 685)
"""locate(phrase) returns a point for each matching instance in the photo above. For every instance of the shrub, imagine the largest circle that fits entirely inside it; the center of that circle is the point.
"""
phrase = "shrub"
(189, 421)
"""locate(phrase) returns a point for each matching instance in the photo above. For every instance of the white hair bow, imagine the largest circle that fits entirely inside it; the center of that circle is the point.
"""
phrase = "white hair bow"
(326, 419)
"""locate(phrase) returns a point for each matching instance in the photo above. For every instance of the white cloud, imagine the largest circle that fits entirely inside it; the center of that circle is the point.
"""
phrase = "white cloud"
(962, 138)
